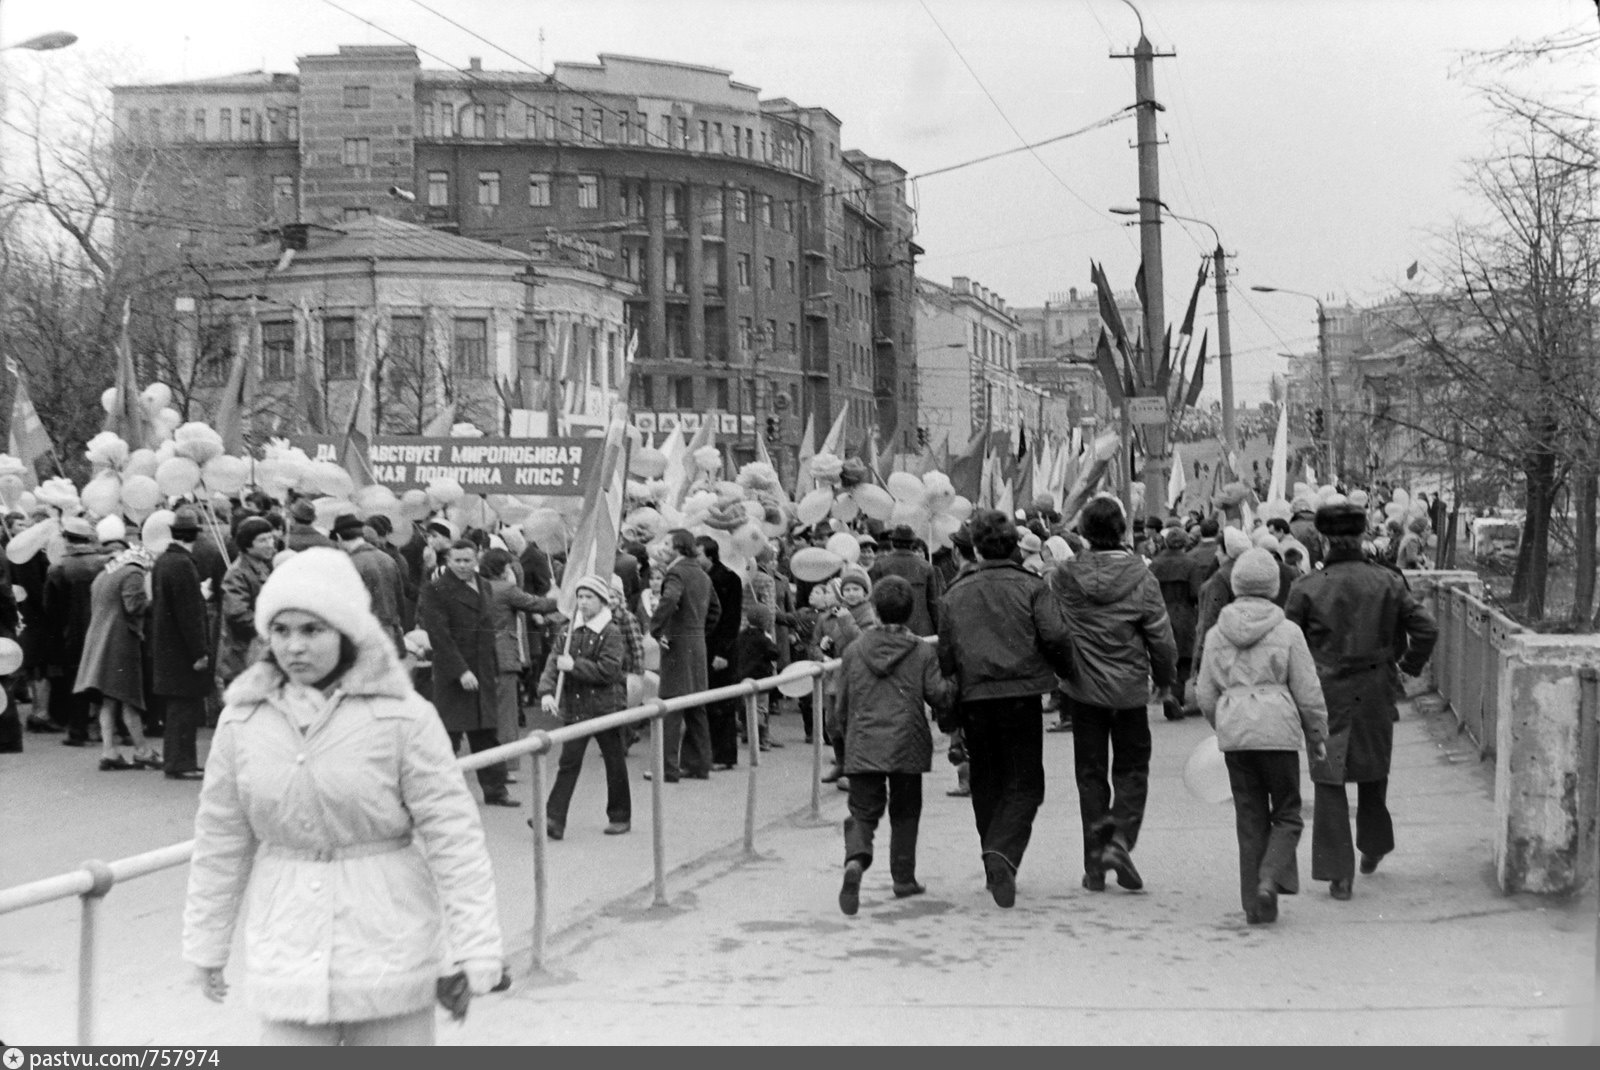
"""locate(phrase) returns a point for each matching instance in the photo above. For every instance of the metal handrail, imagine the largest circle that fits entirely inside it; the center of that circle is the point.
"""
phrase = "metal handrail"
(94, 879)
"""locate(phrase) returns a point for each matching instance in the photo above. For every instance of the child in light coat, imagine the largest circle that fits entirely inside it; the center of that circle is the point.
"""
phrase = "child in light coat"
(1258, 688)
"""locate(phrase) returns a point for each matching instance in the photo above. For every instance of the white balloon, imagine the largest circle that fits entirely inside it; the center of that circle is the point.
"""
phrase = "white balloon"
(1205, 773)
(797, 679)
(905, 487)
(845, 546)
(108, 399)
(815, 505)
(10, 657)
(26, 544)
(102, 494)
(177, 476)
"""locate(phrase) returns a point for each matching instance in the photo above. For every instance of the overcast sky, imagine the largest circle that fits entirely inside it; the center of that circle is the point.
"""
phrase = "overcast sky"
(1326, 140)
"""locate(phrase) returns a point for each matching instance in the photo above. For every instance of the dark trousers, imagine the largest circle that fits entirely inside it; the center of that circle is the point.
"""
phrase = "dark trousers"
(491, 778)
(10, 723)
(184, 716)
(1119, 741)
(1266, 809)
(805, 714)
(1332, 854)
(69, 708)
(614, 753)
(870, 795)
(687, 740)
(1005, 746)
(722, 724)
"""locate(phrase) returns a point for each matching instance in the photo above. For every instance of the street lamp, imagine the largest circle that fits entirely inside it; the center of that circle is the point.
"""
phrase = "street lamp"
(1327, 374)
(1219, 259)
(45, 42)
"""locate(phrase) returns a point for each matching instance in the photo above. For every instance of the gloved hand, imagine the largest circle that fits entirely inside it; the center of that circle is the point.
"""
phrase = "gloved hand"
(548, 704)
(482, 974)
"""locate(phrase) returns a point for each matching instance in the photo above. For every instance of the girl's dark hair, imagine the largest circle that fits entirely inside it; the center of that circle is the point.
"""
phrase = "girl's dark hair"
(994, 535)
(1103, 524)
(494, 563)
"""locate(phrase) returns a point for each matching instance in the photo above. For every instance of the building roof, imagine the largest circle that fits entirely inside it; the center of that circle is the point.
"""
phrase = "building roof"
(385, 239)
(222, 82)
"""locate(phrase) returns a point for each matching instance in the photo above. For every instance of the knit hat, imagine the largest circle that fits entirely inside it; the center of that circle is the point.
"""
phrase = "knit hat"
(595, 586)
(111, 529)
(349, 526)
(1261, 536)
(856, 576)
(1270, 544)
(185, 524)
(323, 582)
(1027, 542)
(902, 535)
(1059, 549)
(1235, 542)
(302, 511)
(249, 530)
(1255, 573)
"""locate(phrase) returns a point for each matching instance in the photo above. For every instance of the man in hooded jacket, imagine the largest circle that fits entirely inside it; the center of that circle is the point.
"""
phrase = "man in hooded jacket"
(1123, 639)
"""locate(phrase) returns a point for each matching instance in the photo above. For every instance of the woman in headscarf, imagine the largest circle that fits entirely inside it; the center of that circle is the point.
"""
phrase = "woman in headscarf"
(112, 668)
(332, 799)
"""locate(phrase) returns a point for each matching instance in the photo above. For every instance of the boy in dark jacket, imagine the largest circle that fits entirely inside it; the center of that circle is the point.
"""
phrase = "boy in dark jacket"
(888, 677)
(755, 657)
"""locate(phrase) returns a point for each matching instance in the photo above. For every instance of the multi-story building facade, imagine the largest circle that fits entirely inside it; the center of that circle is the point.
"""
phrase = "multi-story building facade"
(1056, 345)
(772, 266)
(966, 361)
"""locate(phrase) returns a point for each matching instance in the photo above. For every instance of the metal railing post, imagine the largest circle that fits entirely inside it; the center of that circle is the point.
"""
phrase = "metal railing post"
(541, 862)
(1589, 733)
(658, 828)
(816, 748)
(88, 926)
(752, 729)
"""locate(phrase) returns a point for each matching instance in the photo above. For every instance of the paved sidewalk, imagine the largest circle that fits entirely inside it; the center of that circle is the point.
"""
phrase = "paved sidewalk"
(1428, 951)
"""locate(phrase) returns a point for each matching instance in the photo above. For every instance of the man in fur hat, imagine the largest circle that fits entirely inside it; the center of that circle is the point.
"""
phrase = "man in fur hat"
(1364, 628)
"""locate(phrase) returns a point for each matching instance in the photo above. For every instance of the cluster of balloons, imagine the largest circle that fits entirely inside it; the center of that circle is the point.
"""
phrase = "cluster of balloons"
(928, 505)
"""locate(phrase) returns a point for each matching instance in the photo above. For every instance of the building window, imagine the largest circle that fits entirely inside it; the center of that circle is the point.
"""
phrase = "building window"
(597, 124)
(674, 267)
(199, 124)
(588, 191)
(789, 273)
(480, 120)
(793, 337)
(575, 127)
(744, 271)
(788, 217)
(233, 192)
(339, 347)
(499, 128)
(244, 123)
(771, 268)
(682, 392)
(273, 129)
(216, 354)
(705, 135)
(291, 117)
(403, 352)
(713, 273)
(358, 96)
(716, 137)
(224, 124)
(765, 155)
(353, 214)
(488, 188)
(741, 206)
(764, 206)
(438, 188)
(746, 334)
(282, 192)
(538, 189)
(470, 348)
(719, 394)
(357, 152)
(749, 143)
(631, 262)
(277, 350)
(769, 337)
(683, 131)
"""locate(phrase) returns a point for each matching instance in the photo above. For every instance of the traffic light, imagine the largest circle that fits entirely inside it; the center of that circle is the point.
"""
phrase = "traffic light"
(772, 429)
(1318, 422)
(922, 437)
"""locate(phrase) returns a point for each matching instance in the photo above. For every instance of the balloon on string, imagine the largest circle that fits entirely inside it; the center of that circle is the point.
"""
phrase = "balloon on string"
(11, 488)
(225, 475)
(959, 507)
(509, 508)
(647, 463)
(10, 657)
(910, 514)
(944, 528)
(444, 492)
(26, 501)
(108, 399)
(177, 476)
(844, 508)
(938, 492)
(546, 530)
(107, 449)
(102, 494)
(167, 421)
(401, 531)
(845, 547)
(26, 544)
(58, 493)
(749, 540)
(330, 479)
(141, 493)
(328, 510)
(873, 500)
(813, 564)
(815, 505)
(198, 442)
(797, 679)
(156, 397)
(1205, 773)
(652, 653)
(469, 512)
(141, 462)
(905, 487)
(376, 498)
(414, 505)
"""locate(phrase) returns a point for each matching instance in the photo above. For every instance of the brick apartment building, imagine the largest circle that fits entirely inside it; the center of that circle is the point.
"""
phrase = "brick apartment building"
(773, 268)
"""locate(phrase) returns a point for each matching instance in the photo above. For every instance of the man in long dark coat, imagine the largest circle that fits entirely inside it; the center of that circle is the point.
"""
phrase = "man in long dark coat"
(1176, 572)
(66, 613)
(1364, 628)
(456, 610)
(722, 640)
(180, 647)
(927, 585)
(687, 609)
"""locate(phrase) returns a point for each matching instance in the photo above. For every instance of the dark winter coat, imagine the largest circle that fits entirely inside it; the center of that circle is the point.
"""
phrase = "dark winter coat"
(304, 537)
(688, 609)
(888, 677)
(536, 572)
(755, 655)
(1204, 556)
(1364, 628)
(507, 602)
(113, 651)
(1119, 628)
(1304, 528)
(1002, 635)
(238, 646)
(179, 636)
(382, 579)
(459, 620)
(1217, 594)
(927, 586)
(596, 684)
(1176, 572)
(66, 607)
(722, 638)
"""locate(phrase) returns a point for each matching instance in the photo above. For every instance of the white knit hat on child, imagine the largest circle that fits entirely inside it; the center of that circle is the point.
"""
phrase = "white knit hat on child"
(324, 583)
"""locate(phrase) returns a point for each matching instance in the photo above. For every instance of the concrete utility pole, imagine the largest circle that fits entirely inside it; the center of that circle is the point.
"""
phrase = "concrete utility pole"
(1230, 441)
(1144, 80)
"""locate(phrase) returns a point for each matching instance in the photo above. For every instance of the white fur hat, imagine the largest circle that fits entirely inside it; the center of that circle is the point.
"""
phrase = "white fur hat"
(1235, 542)
(324, 583)
(111, 529)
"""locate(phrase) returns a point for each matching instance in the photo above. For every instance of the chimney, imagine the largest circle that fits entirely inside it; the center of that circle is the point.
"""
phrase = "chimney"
(961, 284)
(1074, 292)
(475, 63)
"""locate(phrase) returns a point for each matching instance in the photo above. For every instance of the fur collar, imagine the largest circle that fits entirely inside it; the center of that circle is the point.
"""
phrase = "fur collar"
(598, 622)
(376, 673)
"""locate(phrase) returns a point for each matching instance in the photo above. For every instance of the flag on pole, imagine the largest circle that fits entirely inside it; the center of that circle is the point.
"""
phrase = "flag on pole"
(594, 539)
(29, 440)
(127, 417)
(808, 449)
(834, 443)
(967, 470)
(229, 421)
(1021, 481)
(674, 449)
(442, 422)
(1311, 477)
(1278, 487)
(1178, 483)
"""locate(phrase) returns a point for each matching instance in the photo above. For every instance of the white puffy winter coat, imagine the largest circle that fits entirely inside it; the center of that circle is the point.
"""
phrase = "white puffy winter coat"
(1258, 685)
(360, 845)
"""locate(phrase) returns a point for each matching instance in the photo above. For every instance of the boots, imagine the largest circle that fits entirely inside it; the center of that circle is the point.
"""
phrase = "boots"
(903, 858)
